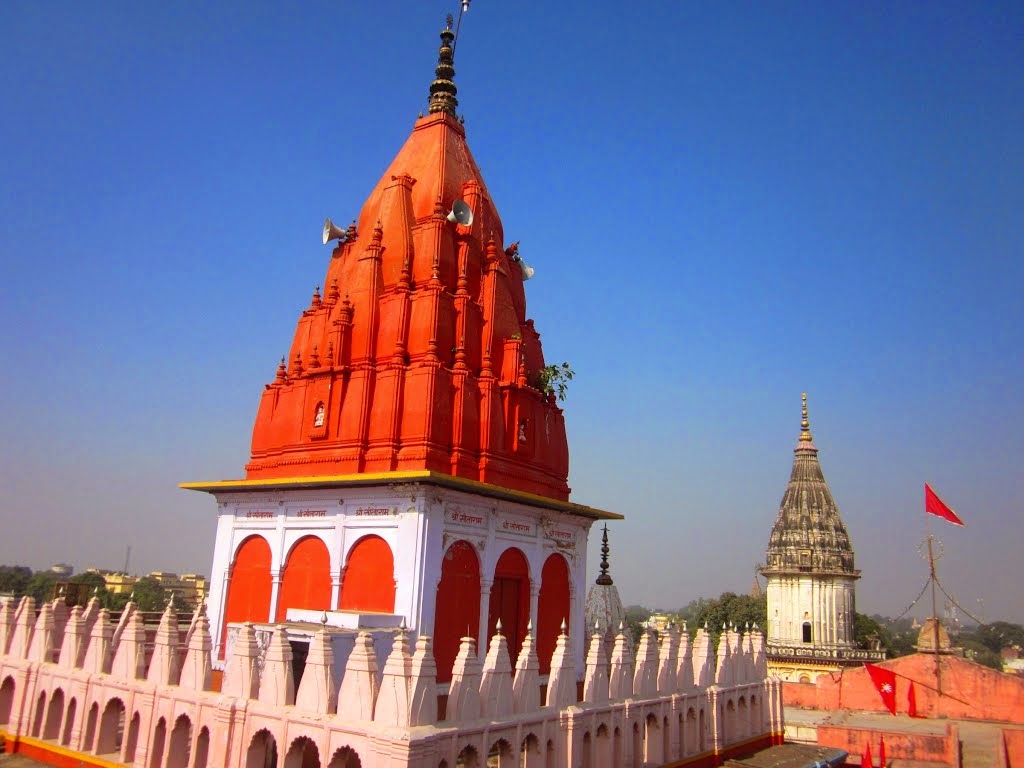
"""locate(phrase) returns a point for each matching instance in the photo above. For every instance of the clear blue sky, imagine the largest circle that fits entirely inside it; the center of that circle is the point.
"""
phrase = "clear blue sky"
(726, 203)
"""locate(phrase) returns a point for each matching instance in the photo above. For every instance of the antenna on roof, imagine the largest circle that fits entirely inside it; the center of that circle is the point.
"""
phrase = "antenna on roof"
(462, 9)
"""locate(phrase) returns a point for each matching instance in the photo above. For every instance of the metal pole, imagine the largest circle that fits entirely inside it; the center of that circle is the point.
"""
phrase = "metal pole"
(935, 617)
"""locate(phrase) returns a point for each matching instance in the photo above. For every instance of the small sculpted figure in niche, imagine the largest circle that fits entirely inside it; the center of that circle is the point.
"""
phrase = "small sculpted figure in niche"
(318, 419)
(522, 431)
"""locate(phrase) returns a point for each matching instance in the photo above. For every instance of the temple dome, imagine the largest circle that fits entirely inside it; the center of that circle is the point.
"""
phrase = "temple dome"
(809, 535)
(418, 354)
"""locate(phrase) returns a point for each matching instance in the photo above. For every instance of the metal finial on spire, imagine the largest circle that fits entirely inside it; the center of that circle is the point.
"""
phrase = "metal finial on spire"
(604, 578)
(443, 90)
(805, 425)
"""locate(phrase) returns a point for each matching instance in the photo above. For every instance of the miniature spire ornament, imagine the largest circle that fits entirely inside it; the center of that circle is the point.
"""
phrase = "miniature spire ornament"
(443, 90)
(604, 578)
(805, 425)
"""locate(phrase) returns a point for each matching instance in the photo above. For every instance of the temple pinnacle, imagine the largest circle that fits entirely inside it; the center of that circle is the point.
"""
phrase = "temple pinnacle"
(805, 426)
(443, 90)
(604, 578)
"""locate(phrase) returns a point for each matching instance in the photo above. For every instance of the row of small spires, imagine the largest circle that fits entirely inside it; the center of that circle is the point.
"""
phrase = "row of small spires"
(405, 693)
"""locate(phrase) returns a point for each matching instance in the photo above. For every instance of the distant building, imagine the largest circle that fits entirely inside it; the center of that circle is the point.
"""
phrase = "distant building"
(190, 586)
(811, 575)
(62, 570)
(119, 583)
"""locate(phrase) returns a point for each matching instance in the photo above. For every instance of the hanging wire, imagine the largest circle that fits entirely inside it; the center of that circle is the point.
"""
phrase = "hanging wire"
(954, 602)
(912, 604)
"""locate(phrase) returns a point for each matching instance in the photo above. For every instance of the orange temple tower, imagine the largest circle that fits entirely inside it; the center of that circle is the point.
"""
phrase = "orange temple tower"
(409, 460)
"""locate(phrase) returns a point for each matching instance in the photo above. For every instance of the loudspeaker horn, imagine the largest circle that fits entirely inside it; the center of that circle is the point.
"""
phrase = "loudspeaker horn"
(528, 271)
(333, 232)
(461, 213)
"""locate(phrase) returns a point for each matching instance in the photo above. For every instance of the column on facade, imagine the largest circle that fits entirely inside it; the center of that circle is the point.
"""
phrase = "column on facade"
(534, 601)
(482, 640)
(275, 590)
(336, 579)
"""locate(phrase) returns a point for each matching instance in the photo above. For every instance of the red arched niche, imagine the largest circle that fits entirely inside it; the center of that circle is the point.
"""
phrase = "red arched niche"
(369, 583)
(306, 578)
(510, 599)
(249, 588)
(457, 611)
(552, 608)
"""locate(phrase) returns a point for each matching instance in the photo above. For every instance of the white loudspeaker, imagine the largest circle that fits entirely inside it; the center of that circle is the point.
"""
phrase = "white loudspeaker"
(332, 232)
(461, 213)
(528, 271)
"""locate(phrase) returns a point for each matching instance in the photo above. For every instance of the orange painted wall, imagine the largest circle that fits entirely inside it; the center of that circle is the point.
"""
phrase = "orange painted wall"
(249, 591)
(510, 599)
(974, 692)
(1013, 748)
(369, 582)
(899, 745)
(552, 607)
(457, 611)
(800, 695)
(306, 577)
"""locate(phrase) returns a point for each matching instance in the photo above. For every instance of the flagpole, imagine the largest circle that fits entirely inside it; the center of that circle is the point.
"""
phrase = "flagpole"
(935, 614)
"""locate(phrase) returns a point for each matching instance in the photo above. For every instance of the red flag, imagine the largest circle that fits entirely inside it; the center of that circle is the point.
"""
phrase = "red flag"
(881, 753)
(865, 760)
(885, 682)
(912, 701)
(933, 505)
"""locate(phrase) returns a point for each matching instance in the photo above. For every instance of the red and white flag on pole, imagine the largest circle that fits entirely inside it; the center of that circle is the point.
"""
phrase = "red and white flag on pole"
(933, 505)
(884, 681)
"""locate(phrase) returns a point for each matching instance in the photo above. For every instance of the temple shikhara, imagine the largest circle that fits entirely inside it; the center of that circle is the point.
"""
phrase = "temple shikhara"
(811, 576)
(399, 579)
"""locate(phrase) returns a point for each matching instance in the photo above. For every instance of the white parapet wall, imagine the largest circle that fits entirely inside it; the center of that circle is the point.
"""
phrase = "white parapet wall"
(119, 693)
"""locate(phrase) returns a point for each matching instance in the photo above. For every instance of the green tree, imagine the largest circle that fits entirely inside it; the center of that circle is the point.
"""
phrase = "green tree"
(636, 615)
(999, 635)
(14, 579)
(150, 594)
(40, 586)
(868, 630)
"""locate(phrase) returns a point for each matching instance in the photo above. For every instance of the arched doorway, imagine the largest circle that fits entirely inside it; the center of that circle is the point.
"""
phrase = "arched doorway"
(457, 610)
(6, 700)
(40, 714)
(156, 754)
(179, 749)
(249, 590)
(510, 599)
(302, 754)
(529, 752)
(306, 578)
(262, 752)
(553, 607)
(69, 722)
(111, 729)
(369, 581)
(54, 715)
(132, 741)
(202, 748)
(345, 757)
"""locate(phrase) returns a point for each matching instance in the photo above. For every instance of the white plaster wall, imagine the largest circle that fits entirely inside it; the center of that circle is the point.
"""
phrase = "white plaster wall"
(827, 602)
(419, 523)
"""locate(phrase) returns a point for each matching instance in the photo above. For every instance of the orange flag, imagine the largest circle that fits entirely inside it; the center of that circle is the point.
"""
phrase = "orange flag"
(912, 701)
(865, 761)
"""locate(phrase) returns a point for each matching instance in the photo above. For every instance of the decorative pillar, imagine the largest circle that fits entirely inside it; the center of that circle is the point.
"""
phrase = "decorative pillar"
(275, 589)
(485, 599)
